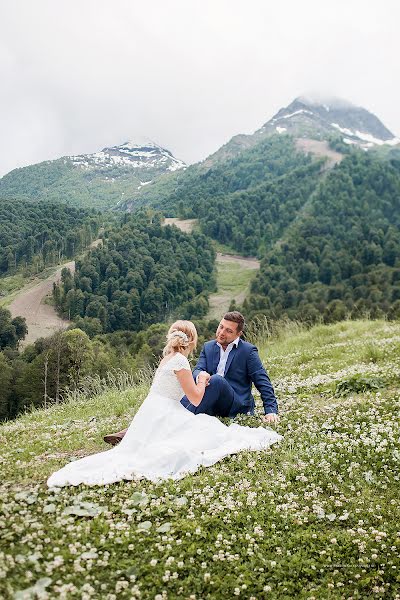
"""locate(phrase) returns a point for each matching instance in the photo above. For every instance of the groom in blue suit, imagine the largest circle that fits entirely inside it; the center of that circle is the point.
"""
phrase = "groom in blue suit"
(232, 366)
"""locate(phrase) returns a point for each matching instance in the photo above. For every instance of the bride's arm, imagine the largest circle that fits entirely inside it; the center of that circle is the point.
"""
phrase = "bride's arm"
(193, 391)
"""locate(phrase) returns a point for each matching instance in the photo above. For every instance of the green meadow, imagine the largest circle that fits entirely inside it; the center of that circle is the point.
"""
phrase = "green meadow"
(314, 517)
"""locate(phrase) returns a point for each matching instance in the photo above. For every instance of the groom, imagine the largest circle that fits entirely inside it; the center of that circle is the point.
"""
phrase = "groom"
(231, 366)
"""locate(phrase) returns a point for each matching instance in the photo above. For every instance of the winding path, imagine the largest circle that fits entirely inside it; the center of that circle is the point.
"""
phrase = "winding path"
(41, 318)
(234, 274)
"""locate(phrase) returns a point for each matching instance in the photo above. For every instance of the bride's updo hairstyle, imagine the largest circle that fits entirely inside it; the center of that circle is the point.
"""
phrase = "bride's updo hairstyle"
(181, 335)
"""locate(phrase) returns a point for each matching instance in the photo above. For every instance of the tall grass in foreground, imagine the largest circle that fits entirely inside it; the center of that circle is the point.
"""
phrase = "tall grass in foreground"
(262, 330)
(115, 380)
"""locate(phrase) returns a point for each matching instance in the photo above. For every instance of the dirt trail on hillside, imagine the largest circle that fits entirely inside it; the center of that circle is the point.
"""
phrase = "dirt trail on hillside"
(320, 148)
(185, 225)
(41, 318)
(244, 261)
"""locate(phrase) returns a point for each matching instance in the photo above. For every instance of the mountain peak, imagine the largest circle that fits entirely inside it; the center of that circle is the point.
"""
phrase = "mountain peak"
(317, 115)
(324, 100)
(138, 153)
(140, 141)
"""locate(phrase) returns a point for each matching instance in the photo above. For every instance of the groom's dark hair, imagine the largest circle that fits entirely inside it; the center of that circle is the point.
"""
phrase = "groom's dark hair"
(236, 317)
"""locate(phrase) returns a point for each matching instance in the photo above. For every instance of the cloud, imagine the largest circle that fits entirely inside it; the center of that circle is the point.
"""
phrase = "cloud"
(77, 76)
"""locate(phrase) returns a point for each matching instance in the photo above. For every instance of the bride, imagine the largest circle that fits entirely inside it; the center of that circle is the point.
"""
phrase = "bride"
(164, 440)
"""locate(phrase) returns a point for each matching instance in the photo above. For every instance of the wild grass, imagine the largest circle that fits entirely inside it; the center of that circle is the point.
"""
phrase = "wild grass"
(9, 286)
(115, 380)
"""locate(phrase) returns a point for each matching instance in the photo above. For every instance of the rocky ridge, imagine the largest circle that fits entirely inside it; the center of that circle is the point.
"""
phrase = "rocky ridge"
(137, 154)
(308, 117)
(317, 119)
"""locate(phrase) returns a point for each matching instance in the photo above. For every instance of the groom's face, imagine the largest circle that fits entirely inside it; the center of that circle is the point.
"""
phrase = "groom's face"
(227, 331)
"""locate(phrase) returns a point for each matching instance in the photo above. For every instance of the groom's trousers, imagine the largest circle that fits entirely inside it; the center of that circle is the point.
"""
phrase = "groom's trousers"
(217, 400)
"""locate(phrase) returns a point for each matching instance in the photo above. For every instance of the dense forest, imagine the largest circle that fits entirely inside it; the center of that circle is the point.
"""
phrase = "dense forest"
(41, 374)
(342, 256)
(141, 275)
(120, 298)
(252, 220)
(328, 239)
(35, 236)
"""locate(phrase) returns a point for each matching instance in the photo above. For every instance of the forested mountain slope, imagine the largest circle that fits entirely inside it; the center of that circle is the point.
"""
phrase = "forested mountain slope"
(101, 179)
(329, 237)
(342, 256)
(250, 221)
(273, 157)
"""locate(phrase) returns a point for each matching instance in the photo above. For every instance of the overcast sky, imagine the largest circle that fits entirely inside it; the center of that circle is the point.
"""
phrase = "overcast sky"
(78, 75)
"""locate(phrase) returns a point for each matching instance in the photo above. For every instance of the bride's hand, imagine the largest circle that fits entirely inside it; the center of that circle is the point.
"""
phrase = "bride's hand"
(203, 379)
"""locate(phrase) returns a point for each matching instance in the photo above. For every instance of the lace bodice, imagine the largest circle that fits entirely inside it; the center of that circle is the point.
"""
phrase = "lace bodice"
(165, 380)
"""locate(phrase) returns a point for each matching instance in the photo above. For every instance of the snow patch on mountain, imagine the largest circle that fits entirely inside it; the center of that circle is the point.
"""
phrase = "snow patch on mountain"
(342, 129)
(143, 183)
(370, 138)
(141, 153)
(365, 137)
(296, 112)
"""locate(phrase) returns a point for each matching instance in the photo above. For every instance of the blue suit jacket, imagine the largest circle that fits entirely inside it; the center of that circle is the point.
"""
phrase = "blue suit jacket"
(243, 368)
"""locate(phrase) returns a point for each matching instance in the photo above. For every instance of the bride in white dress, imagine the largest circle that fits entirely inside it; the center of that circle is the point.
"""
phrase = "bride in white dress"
(164, 440)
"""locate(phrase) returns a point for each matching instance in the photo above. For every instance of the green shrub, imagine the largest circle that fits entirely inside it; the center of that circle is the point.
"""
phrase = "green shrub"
(359, 383)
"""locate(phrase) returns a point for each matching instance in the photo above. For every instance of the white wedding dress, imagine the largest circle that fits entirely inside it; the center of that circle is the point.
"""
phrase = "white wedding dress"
(164, 439)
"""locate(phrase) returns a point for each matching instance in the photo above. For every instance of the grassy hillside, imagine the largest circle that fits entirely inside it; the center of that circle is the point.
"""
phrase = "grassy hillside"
(315, 517)
(59, 181)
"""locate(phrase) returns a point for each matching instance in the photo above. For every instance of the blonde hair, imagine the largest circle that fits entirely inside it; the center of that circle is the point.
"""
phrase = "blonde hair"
(181, 335)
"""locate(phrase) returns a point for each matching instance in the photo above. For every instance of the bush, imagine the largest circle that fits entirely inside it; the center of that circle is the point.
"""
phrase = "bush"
(359, 383)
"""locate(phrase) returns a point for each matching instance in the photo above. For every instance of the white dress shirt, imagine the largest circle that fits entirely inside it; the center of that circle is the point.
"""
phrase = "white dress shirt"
(223, 356)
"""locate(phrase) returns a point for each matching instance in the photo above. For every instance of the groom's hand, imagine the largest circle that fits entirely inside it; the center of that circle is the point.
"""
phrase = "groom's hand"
(270, 418)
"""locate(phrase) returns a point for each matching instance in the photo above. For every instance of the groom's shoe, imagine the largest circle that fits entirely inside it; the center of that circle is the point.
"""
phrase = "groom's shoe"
(114, 438)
